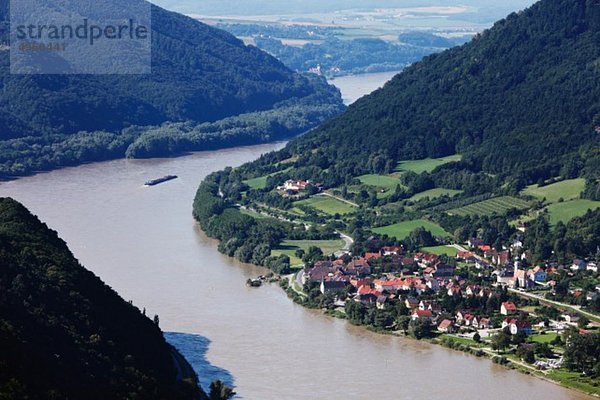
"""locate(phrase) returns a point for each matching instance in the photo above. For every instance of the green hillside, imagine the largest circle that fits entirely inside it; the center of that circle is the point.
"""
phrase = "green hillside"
(64, 334)
(486, 124)
(200, 75)
(520, 100)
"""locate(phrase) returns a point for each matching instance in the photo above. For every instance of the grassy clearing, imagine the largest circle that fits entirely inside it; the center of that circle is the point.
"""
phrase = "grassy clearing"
(498, 205)
(567, 190)
(575, 380)
(568, 210)
(403, 229)
(289, 247)
(327, 205)
(385, 184)
(435, 193)
(253, 214)
(546, 338)
(462, 340)
(439, 250)
(380, 181)
(257, 183)
(261, 181)
(426, 165)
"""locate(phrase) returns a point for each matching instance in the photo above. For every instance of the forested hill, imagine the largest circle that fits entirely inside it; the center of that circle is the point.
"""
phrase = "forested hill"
(521, 99)
(207, 90)
(199, 73)
(66, 335)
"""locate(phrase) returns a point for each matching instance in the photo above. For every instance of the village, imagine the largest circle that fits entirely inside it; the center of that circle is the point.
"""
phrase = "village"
(482, 298)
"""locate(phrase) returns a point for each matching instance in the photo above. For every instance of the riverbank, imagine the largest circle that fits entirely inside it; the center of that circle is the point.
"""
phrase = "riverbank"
(465, 344)
(174, 270)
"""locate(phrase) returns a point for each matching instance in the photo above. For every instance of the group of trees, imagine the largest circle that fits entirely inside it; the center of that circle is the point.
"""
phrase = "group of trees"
(580, 237)
(20, 156)
(582, 352)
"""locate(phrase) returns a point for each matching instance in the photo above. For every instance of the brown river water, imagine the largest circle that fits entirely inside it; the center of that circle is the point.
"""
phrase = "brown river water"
(144, 243)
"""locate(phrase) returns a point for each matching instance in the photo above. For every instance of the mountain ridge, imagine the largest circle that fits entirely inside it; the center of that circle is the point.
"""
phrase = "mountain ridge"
(482, 96)
(207, 90)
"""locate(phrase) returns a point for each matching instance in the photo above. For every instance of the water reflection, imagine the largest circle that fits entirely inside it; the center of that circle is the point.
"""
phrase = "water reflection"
(194, 349)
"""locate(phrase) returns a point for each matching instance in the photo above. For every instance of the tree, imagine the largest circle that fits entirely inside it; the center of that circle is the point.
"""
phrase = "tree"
(582, 352)
(543, 350)
(402, 323)
(419, 328)
(529, 356)
(583, 322)
(220, 391)
(500, 341)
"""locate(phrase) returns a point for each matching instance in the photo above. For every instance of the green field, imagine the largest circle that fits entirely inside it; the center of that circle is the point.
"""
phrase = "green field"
(328, 205)
(380, 181)
(257, 183)
(497, 205)
(567, 190)
(261, 181)
(403, 229)
(546, 338)
(439, 250)
(289, 248)
(434, 193)
(568, 210)
(425, 165)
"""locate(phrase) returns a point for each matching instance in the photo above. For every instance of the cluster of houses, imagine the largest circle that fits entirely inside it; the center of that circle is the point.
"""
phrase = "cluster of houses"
(292, 187)
(506, 265)
(354, 278)
(423, 272)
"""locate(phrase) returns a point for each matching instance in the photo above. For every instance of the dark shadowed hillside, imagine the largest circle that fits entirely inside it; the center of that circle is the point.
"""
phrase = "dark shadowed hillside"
(64, 334)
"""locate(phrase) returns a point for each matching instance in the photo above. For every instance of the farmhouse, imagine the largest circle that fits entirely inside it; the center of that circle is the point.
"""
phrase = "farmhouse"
(422, 314)
(507, 308)
(447, 326)
(294, 186)
(332, 286)
(517, 326)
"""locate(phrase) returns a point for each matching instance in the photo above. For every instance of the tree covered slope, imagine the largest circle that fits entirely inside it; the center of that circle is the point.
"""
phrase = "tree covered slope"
(64, 333)
(207, 90)
(522, 97)
(199, 73)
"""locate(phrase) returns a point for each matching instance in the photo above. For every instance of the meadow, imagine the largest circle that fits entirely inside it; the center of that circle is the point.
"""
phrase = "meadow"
(440, 250)
(403, 229)
(289, 248)
(425, 165)
(567, 190)
(261, 181)
(565, 211)
(435, 193)
(327, 205)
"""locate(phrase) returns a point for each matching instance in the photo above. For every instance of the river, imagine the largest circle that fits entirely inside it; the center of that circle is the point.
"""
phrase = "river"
(144, 243)
(354, 87)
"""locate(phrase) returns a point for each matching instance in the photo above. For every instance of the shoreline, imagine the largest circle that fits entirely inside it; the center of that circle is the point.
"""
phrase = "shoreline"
(521, 367)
